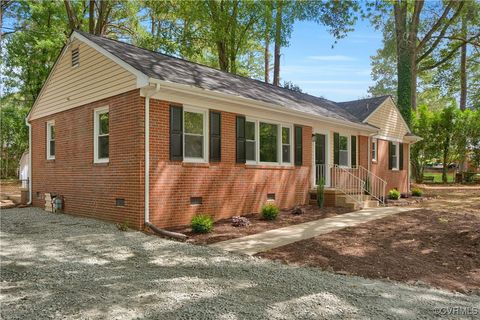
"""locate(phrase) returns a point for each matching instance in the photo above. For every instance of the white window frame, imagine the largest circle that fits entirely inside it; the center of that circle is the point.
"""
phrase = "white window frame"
(256, 151)
(96, 123)
(50, 124)
(279, 125)
(397, 155)
(290, 143)
(349, 151)
(374, 151)
(203, 111)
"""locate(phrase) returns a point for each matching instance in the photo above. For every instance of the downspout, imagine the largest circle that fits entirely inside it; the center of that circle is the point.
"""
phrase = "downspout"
(29, 161)
(147, 222)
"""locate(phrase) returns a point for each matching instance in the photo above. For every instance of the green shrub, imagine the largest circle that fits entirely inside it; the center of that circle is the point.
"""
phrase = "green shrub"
(122, 226)
(321, 193)
(270, 211)
(394, 194)
(202, 223)
(416, 192)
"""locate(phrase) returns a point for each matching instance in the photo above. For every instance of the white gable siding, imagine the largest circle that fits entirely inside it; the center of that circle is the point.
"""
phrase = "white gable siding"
(95, 78)
(388, 119)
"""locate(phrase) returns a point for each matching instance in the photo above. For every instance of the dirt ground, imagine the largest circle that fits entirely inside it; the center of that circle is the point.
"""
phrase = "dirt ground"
(223, 229)
(437, 245)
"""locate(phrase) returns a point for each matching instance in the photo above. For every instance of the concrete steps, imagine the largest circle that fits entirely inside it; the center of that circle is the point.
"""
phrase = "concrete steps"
(342, 200)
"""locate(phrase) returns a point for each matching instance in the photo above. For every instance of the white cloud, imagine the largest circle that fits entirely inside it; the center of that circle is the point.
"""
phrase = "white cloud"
(332, 58)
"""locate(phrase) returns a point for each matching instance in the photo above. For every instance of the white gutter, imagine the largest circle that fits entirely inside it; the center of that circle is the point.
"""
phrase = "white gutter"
(258, 104)
(29, 161)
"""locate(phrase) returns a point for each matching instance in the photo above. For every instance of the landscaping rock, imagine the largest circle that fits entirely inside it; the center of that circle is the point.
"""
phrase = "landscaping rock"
(238, 221)
(298, 210)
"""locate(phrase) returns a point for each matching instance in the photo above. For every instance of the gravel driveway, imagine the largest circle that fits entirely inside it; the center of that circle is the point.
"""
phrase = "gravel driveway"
(58, 266)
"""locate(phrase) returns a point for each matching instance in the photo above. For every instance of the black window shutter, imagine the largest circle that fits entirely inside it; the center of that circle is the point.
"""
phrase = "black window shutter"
(400, 165)
(336, 148)
(298, 145)
(176, 133)
(390, 158)
(353, 142)
(215, 136)
(240, 128)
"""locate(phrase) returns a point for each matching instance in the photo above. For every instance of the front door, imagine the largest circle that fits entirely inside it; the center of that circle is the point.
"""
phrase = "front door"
(320, 158)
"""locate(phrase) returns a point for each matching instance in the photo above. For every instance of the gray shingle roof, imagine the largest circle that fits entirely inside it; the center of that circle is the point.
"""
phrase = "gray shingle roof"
(176, 70)
(362, 108)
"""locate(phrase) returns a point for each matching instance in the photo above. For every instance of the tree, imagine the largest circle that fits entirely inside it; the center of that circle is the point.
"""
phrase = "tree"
(13, 134)
(427, 148)
(292, 86)
(103, 16)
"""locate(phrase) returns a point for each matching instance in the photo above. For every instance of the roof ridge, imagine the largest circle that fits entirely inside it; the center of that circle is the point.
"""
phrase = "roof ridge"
(371, 98)
(206, 66)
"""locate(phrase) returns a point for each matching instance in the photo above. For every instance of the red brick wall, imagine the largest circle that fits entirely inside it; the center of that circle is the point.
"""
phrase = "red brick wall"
(395, 178)
(91, 189)
(363, 151)
(227, 188)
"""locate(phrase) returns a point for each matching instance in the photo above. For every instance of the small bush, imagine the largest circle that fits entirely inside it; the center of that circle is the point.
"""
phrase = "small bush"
(321, 193)
(394, 194)
(202, 223)
(122, 226)
(416, 192)
(238, 221)
(270, 211)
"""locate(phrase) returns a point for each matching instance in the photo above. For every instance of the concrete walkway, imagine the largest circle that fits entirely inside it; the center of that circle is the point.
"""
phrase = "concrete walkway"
(279, 237)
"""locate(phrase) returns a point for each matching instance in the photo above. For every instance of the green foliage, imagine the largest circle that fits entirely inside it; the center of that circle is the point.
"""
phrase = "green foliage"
(416, 192)
(270, 211)
(394, 194)
(13, 134)
(122, 226)
(202, 223)
(321, 193)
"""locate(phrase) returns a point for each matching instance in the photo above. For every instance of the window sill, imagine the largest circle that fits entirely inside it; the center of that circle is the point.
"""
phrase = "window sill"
(101, 164)
(50, 159)
(269, 166)
(197, 164)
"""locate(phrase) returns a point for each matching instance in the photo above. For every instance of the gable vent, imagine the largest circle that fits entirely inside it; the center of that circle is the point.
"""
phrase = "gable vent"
(75, 57)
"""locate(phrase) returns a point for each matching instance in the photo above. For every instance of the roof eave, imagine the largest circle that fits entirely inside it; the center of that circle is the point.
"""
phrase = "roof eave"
(258, 104)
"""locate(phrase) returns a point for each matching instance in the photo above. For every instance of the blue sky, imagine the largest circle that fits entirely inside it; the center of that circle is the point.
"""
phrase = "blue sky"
(340, 73)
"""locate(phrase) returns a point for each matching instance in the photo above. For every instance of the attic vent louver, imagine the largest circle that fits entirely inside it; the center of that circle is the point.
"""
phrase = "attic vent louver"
(75, 57)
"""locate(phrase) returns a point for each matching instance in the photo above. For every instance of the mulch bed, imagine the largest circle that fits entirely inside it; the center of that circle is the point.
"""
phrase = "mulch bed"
(223, 229)
(440, 249)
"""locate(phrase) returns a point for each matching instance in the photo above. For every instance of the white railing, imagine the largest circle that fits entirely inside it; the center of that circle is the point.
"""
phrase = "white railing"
(353, 182)
(374, 185)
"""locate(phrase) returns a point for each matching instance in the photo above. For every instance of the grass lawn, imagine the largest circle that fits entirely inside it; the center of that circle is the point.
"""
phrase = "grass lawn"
(437, 176)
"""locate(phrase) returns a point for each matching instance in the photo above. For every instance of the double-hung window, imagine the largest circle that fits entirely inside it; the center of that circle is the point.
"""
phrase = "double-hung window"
(286, 145)
(51, 140)
(374, 149)
(101, 135)
(268, 142)
(251, 141)
(194, 135)
(343, 151)
(395, 153)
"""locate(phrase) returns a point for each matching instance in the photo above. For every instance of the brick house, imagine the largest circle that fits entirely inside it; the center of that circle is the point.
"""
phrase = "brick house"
(129, 135)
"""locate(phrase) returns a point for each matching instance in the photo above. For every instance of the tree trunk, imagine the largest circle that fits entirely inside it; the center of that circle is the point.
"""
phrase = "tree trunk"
(91, 17)
(268, 27)
(463, 68)
(404, 60)
(72, 18)
(445, 159)
(278, 40)
(267, 59)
